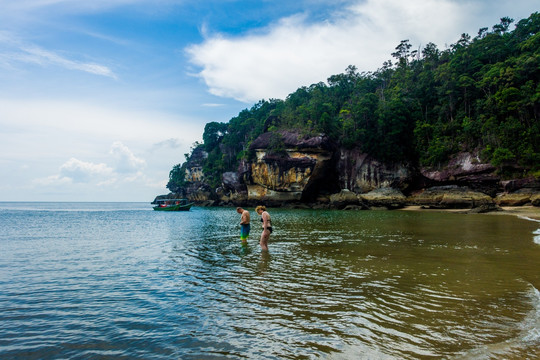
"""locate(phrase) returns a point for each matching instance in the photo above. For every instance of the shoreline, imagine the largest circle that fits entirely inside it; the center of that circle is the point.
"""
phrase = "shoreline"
(525, 211)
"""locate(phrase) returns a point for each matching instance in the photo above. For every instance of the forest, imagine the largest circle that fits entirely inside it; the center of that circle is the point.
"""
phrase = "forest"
(422, 106)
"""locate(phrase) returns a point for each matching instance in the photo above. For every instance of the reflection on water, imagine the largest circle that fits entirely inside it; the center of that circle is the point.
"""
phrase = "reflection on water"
(338, 285)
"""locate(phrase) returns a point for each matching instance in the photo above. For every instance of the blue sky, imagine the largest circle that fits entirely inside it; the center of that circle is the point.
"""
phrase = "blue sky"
(99, 99)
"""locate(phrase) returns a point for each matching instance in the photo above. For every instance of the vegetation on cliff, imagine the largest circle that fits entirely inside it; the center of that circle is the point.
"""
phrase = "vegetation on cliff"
(421, 107)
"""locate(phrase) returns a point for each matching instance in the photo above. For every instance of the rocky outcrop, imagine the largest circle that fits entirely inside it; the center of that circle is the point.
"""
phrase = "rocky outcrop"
(448, 197)
(293, 140)
(295, 172)
(385, 197)
(196, 190)
(361, 173)
(345, 198)
(199, 192)
(194, 174)
(232, 190)
(529, 184)
(310, 166)
(519, 192)
(466, 169)
(519, 198)
(282, 177)
(291, 169)
(194, 167)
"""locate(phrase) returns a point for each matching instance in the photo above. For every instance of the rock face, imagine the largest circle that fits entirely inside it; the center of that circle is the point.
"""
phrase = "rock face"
(519, 192)
(292, 169)
(232, 189)
(310, 167)
(197, 190)
(194, 174)
(345, 198)
(384, 197)
(295, 173)
(448, 197)
(519, 198)
(361, 173)
(387, 197)
(194, 169)
(466, 169)
(530, 185)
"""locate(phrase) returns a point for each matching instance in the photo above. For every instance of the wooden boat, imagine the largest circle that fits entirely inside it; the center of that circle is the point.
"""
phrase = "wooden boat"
(173, 205)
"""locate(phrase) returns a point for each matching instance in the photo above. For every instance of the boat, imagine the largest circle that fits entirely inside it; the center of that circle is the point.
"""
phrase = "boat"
(173, 205)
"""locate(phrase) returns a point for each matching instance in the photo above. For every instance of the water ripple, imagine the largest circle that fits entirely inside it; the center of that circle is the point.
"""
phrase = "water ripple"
(388, 285)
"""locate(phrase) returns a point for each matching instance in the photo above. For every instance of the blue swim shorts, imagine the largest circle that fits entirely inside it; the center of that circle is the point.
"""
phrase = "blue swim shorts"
(244, 231)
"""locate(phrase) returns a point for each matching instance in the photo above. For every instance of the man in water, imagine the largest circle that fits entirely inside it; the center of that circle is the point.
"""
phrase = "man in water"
(244, 225)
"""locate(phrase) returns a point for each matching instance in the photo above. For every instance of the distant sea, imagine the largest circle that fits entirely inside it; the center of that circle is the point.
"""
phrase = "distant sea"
(121, 281)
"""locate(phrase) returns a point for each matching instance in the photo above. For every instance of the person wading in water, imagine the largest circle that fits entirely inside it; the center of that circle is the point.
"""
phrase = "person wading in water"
(244, 225)
(267, 226)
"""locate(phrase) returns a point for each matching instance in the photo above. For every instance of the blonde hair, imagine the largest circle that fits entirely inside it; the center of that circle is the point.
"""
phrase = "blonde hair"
(260, 207)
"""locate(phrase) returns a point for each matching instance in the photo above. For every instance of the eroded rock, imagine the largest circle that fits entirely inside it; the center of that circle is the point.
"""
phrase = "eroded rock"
(384, 197)
(450, 197)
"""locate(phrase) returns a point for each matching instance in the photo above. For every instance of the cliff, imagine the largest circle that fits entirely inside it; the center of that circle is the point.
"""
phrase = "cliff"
(314, 171)
(298, 172)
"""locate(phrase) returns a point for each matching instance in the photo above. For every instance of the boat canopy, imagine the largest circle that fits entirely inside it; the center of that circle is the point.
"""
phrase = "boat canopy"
(164, 201)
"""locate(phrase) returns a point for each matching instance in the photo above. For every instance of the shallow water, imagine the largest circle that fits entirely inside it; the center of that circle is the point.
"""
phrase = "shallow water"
(122, 281)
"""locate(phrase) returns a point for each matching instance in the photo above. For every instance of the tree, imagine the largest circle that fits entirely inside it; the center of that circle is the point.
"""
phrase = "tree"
(213, 134)
(177, 178)
(402, 53)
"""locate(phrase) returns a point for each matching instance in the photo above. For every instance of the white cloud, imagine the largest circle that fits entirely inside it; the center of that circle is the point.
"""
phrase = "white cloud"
(125, 160)
(119, 170)
(13, 51)
(75, 171)
(213, 105)
(44, 57)
(294, 52)
(82, 171)
(88, 151)
(172, 143)
(126, 168)
(53, 180)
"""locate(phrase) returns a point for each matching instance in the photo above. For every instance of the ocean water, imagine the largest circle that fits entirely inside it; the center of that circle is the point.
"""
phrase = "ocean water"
(120, 281)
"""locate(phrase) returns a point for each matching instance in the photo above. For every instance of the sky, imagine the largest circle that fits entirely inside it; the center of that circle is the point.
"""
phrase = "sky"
(100, 99)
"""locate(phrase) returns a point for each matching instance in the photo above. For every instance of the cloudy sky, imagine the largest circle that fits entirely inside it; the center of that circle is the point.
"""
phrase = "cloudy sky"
(99, 99)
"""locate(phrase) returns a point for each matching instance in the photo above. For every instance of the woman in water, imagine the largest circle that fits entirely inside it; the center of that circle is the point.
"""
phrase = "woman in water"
(266, 224)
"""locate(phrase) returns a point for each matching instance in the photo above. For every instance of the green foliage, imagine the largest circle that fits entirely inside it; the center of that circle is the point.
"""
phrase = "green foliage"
(213, 134)
(479, 93)
(276, 145)
(213, 168)
(502, 156)
(177, 178)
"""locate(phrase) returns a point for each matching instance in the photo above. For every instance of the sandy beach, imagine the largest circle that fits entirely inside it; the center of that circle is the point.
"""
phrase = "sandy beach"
(532, 212)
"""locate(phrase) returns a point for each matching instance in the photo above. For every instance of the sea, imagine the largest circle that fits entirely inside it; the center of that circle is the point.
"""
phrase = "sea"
(121, 281)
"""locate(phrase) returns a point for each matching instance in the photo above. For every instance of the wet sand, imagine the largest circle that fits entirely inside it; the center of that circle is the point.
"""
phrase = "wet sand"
(528, 211)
